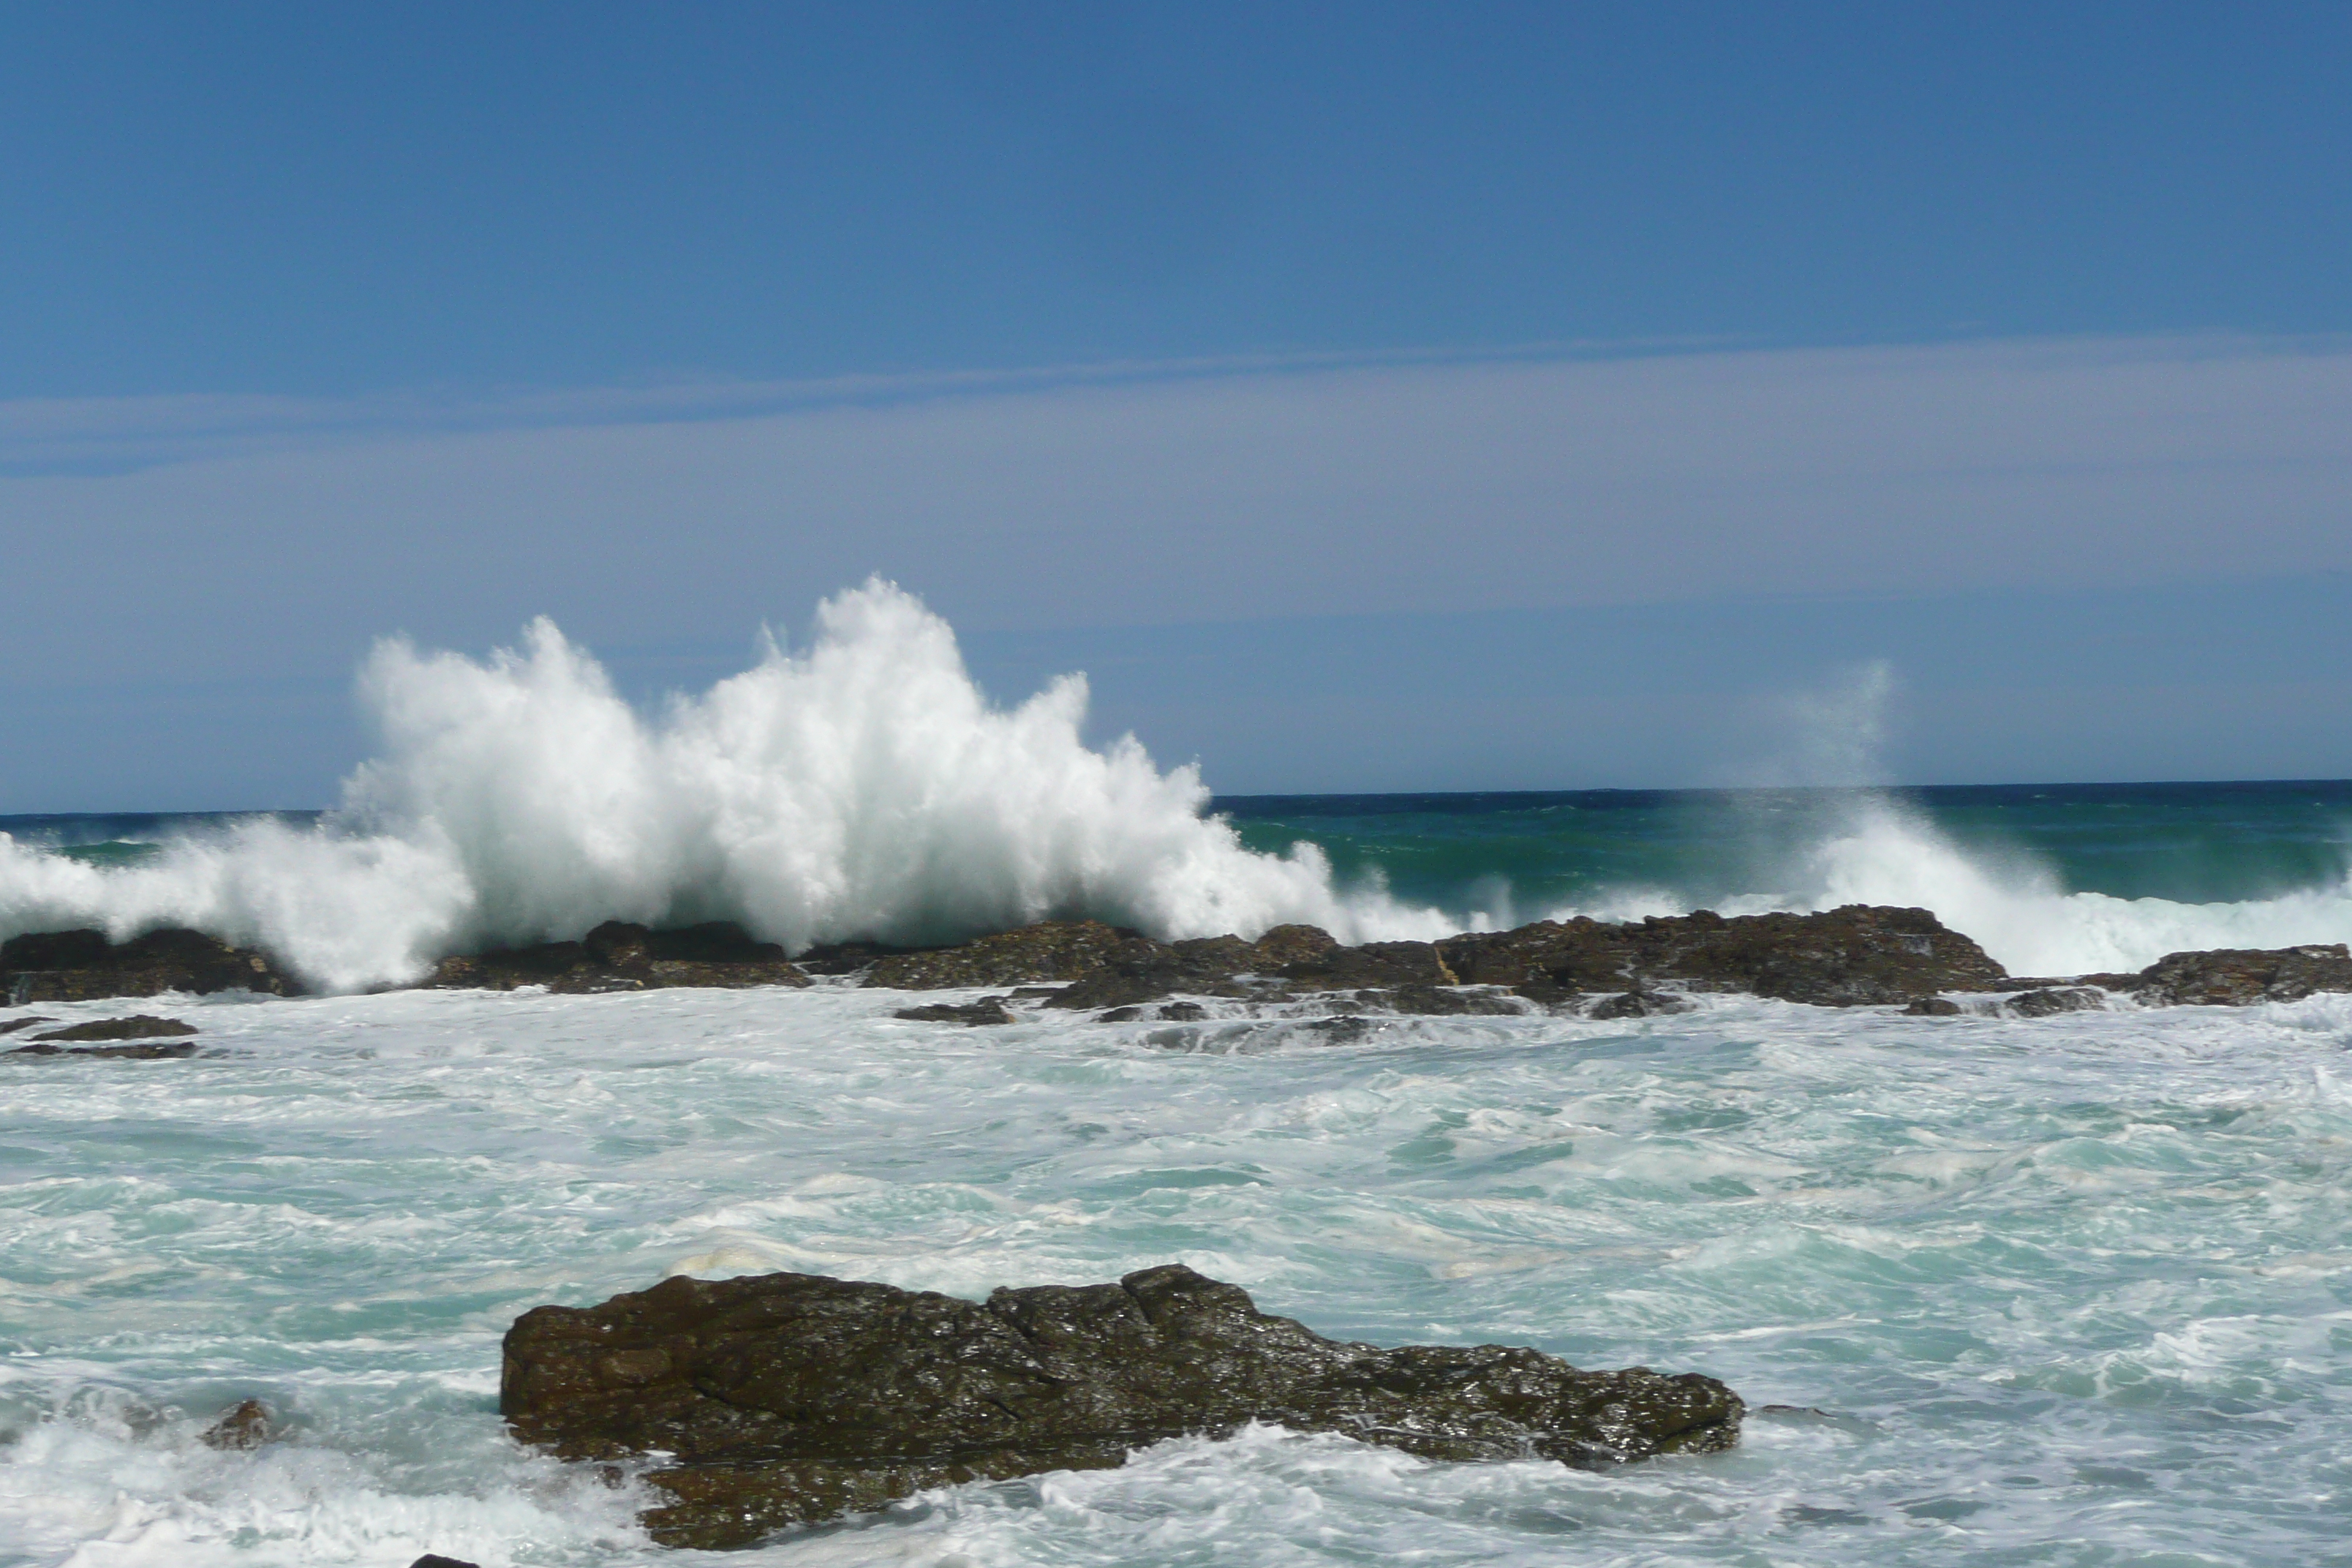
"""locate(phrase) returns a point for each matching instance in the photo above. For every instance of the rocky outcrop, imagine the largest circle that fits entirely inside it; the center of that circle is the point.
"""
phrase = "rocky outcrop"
(1852, 956)
(84, 966)
(2236, 977)
(619, 956)
(1858, 955)
(789, 1399)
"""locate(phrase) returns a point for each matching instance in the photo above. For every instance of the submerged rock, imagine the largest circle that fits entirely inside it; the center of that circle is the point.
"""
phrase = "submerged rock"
(1933, 1007)
(247, 1426)
(84, 966)
(789, 1399)
(2045, 1000)
(987, 1010)
(144, 1051)
(1639, 1005)
(138, 1026)
(620, 957)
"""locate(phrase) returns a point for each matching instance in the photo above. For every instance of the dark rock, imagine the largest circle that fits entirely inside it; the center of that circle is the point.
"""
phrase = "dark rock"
(245, 1426)
(435, 1560)
(1050, 950)
(138, 1026)
(1345, 1030)
(847, 957)
(1165, 1012)
(1639, 1005)
(791, 1398)
(147, 1051)
(2043, 1001)
(1933, 1007)
(620, 957)
(84, 966)
(1444, 1001)
(2236, 977)
(12, 1025)
(1857, 955)
(987, 1010)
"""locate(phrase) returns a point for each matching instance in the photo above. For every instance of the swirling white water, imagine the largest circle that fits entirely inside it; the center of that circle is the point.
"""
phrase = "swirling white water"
(2073, 1291)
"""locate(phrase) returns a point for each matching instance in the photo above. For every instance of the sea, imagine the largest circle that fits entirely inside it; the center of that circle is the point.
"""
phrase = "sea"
(1998, 1290)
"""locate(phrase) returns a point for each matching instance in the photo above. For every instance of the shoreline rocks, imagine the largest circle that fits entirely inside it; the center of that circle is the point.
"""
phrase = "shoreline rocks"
(85, 966)
(793, 1399)
(621, 956)
(1857, 955)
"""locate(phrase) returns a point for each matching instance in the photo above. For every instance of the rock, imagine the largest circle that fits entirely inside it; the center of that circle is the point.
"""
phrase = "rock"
(1857, 955)
(790, 1398)
(84, 966)
(138, 1026)
(1639, 1005)
(987, 1010)
(146, 1051)
(12, 1025)
(247, 1426)
(620, 957)
(1933, 1007)
(435, 1560)
(2043, 1001)
(2237, 977)
(1446, 1001)
(1050, 950)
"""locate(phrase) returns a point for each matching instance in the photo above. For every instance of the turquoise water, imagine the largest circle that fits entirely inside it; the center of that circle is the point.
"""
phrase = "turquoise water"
(2191, 843)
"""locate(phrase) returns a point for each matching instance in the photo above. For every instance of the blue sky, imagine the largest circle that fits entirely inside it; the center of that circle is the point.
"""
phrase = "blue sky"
(1645, 361)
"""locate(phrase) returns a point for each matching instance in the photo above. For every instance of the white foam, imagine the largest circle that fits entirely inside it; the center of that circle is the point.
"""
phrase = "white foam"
(865, 787)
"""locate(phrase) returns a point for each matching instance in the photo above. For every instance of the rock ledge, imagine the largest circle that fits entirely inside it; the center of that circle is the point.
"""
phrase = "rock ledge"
(792, 1398)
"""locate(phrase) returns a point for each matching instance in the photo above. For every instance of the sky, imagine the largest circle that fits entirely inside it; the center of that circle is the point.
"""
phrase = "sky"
(1365, 396)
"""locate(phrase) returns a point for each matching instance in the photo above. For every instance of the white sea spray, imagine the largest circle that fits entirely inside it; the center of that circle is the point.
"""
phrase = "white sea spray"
(865, 787)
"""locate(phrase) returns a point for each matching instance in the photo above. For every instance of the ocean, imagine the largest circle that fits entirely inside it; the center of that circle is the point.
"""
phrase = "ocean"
(2068, 1290)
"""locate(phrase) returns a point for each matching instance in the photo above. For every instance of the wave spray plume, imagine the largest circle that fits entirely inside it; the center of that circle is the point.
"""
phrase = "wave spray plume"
(862, 788)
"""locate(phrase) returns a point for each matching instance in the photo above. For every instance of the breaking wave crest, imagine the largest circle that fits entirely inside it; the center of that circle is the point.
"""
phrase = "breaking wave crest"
(862, 788)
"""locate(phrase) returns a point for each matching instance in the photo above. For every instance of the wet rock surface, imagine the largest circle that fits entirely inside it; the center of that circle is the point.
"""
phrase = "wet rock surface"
(2236, 977)
(84, 966)
(986, 1011)
(158, 1039)
(790, 1398)
(138, 1026)
(620, 957)
(246, 1426)
(1858, 955)
(144, 1051)
(2045, 1001)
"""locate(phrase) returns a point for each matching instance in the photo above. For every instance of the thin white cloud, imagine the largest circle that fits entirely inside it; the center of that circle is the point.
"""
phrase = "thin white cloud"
(262, 535)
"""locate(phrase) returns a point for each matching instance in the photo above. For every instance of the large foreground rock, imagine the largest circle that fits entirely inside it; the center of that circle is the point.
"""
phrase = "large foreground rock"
(790, 1398)
(619, 956)
(84, 966)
